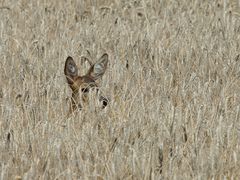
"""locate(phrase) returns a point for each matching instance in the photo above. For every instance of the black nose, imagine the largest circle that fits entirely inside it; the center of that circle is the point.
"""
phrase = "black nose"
(104, 101)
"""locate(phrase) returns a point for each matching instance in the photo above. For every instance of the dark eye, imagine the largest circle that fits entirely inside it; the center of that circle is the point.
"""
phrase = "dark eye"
(85, 90)
(79, 106)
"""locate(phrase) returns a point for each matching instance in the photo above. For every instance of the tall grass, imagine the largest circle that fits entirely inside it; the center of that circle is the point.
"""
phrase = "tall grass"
(173, 80)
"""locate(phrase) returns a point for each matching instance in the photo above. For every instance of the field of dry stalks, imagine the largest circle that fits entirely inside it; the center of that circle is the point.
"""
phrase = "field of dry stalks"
(173, 79)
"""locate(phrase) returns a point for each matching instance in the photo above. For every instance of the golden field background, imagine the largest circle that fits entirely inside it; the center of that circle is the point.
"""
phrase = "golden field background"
(173, 80)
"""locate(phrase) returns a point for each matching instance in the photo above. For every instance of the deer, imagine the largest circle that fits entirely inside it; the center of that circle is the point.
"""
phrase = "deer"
(81, 86)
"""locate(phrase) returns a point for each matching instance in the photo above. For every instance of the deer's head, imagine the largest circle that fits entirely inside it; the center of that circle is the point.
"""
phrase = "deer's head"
(81, 86)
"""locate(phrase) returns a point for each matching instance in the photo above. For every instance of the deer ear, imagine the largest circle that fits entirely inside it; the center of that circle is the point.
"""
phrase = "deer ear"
(98, 69)
(70, 69)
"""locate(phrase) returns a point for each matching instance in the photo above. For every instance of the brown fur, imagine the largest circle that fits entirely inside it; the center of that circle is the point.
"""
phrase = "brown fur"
(81, 85)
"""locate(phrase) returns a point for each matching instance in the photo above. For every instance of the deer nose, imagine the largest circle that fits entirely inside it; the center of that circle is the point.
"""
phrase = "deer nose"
(104, 101)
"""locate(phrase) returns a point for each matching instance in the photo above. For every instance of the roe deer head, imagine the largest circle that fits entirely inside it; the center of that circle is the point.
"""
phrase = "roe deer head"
(82, 85)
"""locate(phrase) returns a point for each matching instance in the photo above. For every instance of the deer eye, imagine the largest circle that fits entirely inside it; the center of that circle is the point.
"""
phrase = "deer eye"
(85, 90)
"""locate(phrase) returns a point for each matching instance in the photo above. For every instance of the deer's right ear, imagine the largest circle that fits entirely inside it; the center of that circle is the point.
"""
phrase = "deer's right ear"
(70, 70)
(98, 69)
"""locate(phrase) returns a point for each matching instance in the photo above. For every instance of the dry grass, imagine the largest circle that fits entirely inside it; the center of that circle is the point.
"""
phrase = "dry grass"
(173, 80)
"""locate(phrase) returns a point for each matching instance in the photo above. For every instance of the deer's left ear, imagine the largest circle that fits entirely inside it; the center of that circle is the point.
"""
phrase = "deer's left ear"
(70, 70)
(98, 69)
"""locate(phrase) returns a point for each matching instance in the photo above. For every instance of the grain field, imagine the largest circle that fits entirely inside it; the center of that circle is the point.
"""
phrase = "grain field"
(173, 80)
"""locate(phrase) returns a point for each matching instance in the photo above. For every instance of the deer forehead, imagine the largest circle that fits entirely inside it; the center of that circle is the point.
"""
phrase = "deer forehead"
(85, 81)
